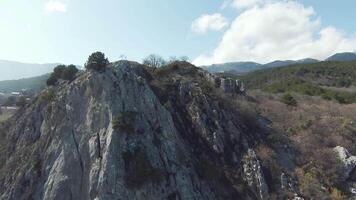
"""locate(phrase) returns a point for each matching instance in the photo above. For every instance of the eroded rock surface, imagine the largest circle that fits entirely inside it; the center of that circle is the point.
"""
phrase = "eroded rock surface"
(349, 163)
(129, 133)
(253, 175)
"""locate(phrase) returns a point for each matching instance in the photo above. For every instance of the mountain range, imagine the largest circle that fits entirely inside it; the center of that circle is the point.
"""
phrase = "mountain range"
(11, 70)
(245, 67)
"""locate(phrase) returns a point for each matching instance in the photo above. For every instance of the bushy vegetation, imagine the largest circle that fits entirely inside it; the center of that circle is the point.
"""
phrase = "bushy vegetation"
(310, 132)
(97, 61)
(340, 74)
(207, 86)
(308, 88)
(289, 100)
(62, 72)
(139, 170)
(47, 96)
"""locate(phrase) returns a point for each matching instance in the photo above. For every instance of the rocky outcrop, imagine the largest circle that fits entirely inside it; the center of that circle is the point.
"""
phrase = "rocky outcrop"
(253, 175)
(289, 184)
(129, 133)
(230, 85)
(348, 160)
(349, 164)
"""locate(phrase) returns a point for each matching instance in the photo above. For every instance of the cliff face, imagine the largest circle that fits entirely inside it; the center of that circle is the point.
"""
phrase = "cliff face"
(132, 133)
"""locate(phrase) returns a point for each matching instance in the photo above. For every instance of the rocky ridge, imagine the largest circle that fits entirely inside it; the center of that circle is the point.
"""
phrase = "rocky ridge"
(129, 133)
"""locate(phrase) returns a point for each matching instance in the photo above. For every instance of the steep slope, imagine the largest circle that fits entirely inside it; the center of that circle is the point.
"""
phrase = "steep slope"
(133, 133)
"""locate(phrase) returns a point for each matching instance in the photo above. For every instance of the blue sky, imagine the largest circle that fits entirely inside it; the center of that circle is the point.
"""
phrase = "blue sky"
(67, 31)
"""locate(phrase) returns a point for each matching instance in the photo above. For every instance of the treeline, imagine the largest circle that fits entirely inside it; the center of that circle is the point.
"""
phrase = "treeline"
(97, 61)
(157, 61)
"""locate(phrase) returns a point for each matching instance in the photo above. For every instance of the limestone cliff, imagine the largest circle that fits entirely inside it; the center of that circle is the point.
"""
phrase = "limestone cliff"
(131, 132)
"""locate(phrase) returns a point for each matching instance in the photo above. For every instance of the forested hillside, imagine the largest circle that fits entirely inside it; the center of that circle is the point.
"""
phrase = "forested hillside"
(330, 80)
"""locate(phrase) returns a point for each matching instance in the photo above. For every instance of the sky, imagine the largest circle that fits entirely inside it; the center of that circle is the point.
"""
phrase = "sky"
(207, 31)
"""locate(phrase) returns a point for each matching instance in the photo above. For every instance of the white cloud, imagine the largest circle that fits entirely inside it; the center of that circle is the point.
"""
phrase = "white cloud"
(204, 23)
(55, 6)
(278, 30)
(241, 4)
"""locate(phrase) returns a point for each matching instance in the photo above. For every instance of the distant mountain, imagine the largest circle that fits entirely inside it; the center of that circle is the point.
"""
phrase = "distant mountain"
(245, 67)
(238, 67)
(347, 56)
(280, 63)
(11, 70)
(34, 83)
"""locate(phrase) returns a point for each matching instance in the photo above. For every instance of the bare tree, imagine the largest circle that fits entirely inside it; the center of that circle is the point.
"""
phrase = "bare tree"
(154, 61)
(184, 58)
(173, 59)
(122, 57)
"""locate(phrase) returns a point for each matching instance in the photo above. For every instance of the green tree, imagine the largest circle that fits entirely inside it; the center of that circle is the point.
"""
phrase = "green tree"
(52, 80)
(97, 61)
(69, 72)
(289, 100)
(58, 71)
(62, 72)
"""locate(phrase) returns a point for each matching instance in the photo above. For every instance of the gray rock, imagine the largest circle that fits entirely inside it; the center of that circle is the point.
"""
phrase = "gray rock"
(230, 85)
(253, 175)
(108, 136)
(348, 160)
(349, 163)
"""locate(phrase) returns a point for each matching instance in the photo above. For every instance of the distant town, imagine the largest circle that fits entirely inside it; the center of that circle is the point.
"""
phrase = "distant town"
(10, 101)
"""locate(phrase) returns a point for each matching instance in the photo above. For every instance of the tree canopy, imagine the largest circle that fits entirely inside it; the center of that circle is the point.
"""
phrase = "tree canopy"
(97, 61)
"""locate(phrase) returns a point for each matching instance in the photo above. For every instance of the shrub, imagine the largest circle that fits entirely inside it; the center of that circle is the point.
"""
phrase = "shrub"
(125, 121)
(47, 96)
(138, 169)
(207, 86)
(58, 71)
(21, 102)
(62, 72)
(342, 82)
(289, 100)
(69, 72)
(97, 61)
(52, 80)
